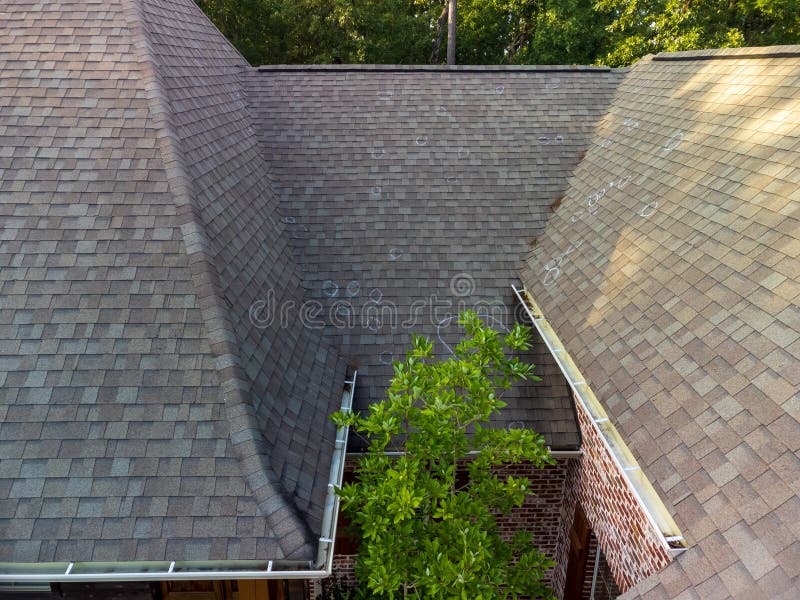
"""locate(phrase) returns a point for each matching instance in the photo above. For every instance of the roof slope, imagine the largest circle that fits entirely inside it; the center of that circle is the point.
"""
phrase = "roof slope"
(670, 270)
(279, 418)
(128, 425)
(412, 193)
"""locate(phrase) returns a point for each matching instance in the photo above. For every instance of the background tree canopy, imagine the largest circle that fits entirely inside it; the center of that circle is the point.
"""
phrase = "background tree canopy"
(612, 32)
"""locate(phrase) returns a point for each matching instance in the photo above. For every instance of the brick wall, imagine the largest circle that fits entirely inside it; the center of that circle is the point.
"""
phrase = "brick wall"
(541, 514)
(631, 546)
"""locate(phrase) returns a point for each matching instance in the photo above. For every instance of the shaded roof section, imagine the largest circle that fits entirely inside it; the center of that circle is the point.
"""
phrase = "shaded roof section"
(136, 421)
(670, 271)
(412, 194)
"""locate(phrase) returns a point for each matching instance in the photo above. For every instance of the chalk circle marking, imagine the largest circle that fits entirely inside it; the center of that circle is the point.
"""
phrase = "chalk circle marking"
(330, 288)
(422, 140)
(353, 288)
(395, 253)
(648, 209)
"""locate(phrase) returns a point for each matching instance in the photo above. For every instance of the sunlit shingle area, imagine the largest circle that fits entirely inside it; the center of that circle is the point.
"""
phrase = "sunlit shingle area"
(671, 273)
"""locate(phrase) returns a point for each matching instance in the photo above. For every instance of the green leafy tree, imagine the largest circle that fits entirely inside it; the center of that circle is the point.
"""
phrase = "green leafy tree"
(614, 32)
(405, 31)
(529, 32)
(427, 512)
(641, 27)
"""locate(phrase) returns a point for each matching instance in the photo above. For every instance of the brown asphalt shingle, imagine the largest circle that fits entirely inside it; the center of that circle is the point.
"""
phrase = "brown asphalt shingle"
(679, 302)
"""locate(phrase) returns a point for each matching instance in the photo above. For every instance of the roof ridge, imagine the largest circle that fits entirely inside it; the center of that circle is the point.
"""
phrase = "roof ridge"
(453, 69)
(748, 52)
(247, 441)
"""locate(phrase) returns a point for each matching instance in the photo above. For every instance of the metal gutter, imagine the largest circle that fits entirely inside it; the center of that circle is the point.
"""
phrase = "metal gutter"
(97, 572)
(329, 516)
(653, 507)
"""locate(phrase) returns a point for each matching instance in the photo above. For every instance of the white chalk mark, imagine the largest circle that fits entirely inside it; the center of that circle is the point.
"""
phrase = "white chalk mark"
(673, 142)
(376, 295)
(289, 220)
(551, 276)
(630, 124)
(395, 253)
(378, 152)
(543, 139)
(441, 111)
(376, 192)
(451, 179)
(386, 358)
(385, 95)
(499, 89)
(422, 140)
(595, 198)
(648, 209)
(553, 268)
(463, 153)
(330, 288)
(353, 288)
(373, 323)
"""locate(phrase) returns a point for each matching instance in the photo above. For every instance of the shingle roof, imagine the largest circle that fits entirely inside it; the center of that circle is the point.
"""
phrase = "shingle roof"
(414, 192)
(147, 411)
(670, 271)
(143, 415)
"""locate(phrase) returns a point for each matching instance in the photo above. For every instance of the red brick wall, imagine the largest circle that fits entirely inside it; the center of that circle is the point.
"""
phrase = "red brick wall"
(566, 513)
(632, 547)
(540, 514)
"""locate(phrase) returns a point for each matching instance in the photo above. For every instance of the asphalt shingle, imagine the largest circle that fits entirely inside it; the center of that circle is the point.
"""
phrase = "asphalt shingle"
(666, 271)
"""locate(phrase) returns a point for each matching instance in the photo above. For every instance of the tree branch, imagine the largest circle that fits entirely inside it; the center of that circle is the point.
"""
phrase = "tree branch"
(437, 43)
